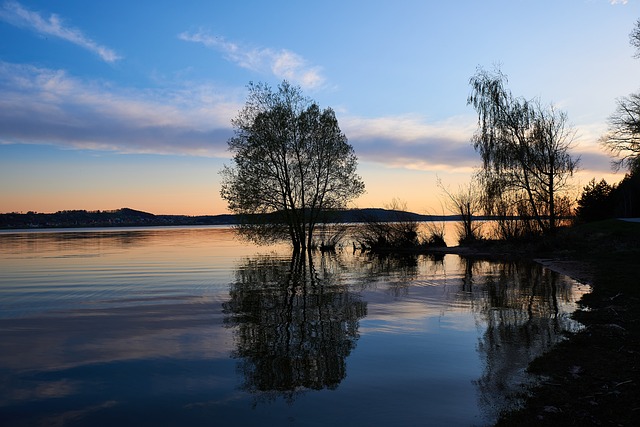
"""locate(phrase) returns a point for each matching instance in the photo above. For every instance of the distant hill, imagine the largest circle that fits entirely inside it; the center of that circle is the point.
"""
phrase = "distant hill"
(382, 215)
(127, 217)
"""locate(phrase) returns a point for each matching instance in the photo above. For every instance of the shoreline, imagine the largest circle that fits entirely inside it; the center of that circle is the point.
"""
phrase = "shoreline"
(577, 270)
(593, 377)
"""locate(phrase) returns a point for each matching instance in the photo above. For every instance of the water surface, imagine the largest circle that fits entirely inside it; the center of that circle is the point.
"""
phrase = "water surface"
(188, 326)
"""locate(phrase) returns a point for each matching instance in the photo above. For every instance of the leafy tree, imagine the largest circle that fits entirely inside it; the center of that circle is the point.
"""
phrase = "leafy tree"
(626, 196)
(524, 148)
(291, 163)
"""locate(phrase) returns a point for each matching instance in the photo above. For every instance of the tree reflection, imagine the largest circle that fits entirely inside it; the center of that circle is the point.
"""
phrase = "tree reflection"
(520, 305)
(395, 271)
(295, 325)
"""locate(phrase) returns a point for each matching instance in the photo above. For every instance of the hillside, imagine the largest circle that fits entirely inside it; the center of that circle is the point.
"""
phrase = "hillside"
(127, 217)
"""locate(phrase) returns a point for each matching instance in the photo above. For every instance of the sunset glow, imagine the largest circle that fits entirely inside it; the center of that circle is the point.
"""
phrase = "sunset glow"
(112, 104)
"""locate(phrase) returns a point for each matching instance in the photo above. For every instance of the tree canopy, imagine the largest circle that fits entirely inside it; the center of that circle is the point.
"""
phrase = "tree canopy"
(595, 202)
(291, 164)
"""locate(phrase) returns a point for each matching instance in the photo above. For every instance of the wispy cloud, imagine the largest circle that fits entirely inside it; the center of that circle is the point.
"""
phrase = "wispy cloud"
(410, 142)
(44, 106)
(618, 1)
(15, 14)
(282, 63)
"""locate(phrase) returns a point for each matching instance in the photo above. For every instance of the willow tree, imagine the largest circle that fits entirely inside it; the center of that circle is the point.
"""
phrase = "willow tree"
(525, 151)
(291, 164)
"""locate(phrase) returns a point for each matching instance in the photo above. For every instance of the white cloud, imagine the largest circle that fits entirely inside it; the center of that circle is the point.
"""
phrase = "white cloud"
(44, 106)
(15, 14)
(618, 1)
(409, 142)
(282, 63)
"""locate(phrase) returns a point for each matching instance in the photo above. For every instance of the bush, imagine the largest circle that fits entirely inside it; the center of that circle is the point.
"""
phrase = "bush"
(399, 231)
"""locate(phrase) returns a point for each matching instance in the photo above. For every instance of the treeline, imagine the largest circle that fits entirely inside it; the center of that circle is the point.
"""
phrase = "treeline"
(129, 218)
(109, 218)
(600, 200)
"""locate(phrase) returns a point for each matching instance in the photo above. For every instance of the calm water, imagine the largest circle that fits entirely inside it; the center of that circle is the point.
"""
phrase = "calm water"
(188, 326)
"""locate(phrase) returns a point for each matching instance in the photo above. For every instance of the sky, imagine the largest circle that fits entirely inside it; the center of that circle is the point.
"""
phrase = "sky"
(105, 105)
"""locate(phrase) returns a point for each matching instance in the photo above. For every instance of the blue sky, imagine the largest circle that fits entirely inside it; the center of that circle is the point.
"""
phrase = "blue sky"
(113, 104)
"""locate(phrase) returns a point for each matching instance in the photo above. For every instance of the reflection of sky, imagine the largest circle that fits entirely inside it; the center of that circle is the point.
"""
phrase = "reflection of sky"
(114, 320)
(183, 329)
(434, 292)
(413, 311)
(415, 364)
(61, 271)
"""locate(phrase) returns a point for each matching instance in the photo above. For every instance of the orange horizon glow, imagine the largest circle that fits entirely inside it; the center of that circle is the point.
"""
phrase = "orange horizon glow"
(418, 189)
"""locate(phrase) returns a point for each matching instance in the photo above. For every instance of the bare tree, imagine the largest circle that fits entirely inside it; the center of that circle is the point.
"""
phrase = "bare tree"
(524, 148)
(550, 163)
(634, 38)
(291, 164)
(623, 136)
(466, 202)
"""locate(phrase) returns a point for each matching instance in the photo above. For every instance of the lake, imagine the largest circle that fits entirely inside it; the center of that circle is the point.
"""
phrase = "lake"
(190, 327)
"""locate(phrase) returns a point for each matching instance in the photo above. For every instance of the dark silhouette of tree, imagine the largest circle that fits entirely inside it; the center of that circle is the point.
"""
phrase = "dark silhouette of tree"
(467, 203)
(634, 38)
(295, 325)
(601, 201)
(626, 196)
(623, 136)
(524, 148)
(596, 202)
(622, 140)
(291, 163)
